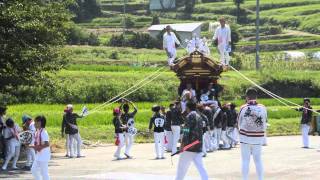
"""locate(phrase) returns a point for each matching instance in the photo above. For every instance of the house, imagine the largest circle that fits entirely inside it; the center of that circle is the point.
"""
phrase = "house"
(184, 31)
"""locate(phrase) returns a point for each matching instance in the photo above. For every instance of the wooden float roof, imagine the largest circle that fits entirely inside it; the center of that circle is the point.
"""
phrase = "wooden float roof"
(197, 65)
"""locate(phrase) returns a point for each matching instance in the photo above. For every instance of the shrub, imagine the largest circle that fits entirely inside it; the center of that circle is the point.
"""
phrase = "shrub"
(136, 40)
(236, 61)
(114, 55)
(93, 40)
(128, 22)
(205, 26)
(235, 36)
(155, 19)
(77, 36)
(85, 10)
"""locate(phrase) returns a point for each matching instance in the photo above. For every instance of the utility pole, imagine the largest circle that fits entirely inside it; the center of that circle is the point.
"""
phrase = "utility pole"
(257, 35)
(124, 22)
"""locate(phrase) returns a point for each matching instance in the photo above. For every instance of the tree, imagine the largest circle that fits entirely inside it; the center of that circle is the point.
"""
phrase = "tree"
(32, 35)
(155, 19)
(237, 3)
(189, 7)
(85, 10)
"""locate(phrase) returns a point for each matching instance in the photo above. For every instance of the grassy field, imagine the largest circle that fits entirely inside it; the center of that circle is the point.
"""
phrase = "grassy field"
(98, 126)
(95, 74)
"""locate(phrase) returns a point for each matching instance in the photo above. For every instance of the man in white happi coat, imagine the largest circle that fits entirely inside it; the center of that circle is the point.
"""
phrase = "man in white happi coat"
(169, 45)
(223, 37)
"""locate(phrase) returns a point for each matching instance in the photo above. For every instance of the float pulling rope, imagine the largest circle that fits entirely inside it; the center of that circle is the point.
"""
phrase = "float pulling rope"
(116, 97)
(280, 99)
(119, 96)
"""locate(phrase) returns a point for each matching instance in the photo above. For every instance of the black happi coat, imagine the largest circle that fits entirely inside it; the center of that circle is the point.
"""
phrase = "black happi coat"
(232, 118)
(306, 115)
(117, 125)
(126, 116)
(157, 121)
(175, 116)
(217, 122)
(167, 123)
(205, 122)
(192, 131)
(70, 120)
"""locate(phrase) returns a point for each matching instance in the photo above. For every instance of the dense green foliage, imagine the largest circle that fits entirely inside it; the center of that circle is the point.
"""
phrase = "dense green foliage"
(85, 10)
(31, 37)
(136, 40)
(78, 36)
(238, 3)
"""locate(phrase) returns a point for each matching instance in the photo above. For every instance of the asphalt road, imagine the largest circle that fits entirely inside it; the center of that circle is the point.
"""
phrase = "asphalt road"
(284, 159)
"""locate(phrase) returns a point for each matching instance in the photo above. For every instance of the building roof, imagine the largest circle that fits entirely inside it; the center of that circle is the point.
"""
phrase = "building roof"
(184, 27)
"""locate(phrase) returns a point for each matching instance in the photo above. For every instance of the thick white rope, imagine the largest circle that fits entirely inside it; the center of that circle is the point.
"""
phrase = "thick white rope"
(134, 86)
(115, 99)
(280, 99)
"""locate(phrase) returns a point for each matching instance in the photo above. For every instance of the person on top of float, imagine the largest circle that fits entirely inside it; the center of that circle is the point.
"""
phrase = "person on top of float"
(222, 36)
(169, 45)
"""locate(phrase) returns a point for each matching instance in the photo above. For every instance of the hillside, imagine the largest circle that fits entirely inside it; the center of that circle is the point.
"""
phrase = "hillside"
(103, 71)
(299, 15)
(97, 72)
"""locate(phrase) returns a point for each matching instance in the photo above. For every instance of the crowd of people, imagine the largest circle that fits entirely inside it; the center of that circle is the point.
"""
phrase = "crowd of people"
(201, 125)
(37, 150)
(198, 121)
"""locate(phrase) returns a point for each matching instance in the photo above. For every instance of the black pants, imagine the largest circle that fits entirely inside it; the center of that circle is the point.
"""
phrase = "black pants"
(2, 148)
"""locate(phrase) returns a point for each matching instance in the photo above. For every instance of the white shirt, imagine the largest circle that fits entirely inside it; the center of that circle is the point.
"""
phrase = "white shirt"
(223, 35)
(44, 155)
(192, 91)
(8, 132)
(170, 41)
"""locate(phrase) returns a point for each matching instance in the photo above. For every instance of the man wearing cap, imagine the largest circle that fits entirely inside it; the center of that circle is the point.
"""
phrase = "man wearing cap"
(305, 121)
(28, 125)
(2, 127)
(169, 45)
(223, 36)
(70, 127)
(252, 124)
